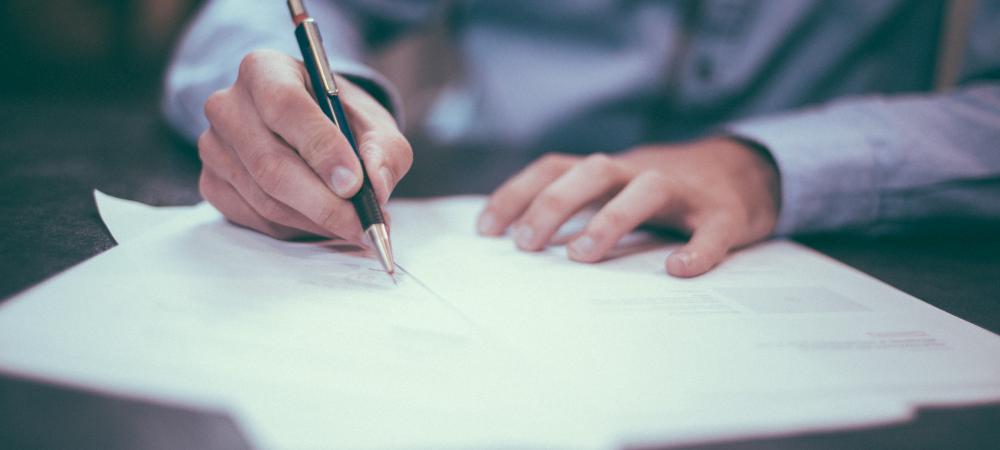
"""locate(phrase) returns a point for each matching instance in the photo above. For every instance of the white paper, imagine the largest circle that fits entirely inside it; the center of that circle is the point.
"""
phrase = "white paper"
(127, 220)
(482, 345)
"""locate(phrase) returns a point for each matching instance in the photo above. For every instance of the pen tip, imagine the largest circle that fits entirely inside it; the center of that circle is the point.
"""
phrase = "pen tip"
(379, 237)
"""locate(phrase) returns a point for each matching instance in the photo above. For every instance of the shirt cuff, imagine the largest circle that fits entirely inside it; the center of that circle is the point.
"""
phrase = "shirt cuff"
(828, 160)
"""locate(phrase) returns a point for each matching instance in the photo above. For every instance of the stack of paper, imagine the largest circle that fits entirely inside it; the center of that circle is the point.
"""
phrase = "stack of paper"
(478, 344)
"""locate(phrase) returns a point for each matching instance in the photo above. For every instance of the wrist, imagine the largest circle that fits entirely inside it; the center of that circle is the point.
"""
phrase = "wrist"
(758, 171)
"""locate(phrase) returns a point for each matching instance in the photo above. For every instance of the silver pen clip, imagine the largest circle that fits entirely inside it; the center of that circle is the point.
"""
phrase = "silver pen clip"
(307, 23)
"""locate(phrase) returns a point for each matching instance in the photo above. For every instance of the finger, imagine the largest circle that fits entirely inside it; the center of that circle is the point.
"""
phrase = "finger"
(276, 168)
(222, 161)
(387, 157)
(386, 153)
(649, 194)
(279, 91)
(224, 197)
(709, 244)
(585, 182)
(511, 199)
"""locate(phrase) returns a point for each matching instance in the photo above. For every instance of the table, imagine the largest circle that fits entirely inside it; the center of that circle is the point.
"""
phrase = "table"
(53, 155)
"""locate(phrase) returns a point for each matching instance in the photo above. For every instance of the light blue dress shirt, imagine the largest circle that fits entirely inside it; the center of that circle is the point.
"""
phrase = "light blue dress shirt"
(839, 91)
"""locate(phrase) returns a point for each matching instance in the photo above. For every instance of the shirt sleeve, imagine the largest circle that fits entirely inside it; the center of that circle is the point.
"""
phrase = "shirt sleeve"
(224, 31)
(875, 164)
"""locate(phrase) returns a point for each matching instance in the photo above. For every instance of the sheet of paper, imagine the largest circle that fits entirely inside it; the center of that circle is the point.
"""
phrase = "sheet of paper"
(482, 345)
(128, 220)
(777, 311)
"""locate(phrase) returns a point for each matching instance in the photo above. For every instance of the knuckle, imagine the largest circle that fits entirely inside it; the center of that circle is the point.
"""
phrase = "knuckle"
(398, 141)
(204, 146)
(215, 105)
(278, 102)
(404, 150)
(513, 194)
(551, 201)
(213, 156)
(546, 171)
(656, 180)
(550, 160)
(655, 177)
(600, 164)
(269, 172)
(611, 218)
(321, 144)
(209, 151)
(206, 187)
(598, 159)
(203, 138)
(252, 61)
(372, 145)
(552, 165)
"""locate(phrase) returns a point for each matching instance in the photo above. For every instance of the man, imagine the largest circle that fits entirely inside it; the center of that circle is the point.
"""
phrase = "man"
(793, 116)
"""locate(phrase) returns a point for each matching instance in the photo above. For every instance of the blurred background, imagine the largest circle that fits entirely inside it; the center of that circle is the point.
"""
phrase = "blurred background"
(116, 51)
(101, 50)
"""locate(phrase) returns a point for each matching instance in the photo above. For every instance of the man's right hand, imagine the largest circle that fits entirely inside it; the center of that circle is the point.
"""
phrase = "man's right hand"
(273, 162)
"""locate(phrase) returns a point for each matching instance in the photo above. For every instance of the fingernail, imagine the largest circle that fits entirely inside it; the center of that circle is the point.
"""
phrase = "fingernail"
(582, 246)
(343, 179)
(486, 223)
(683, 258)
(366, 241)
(523, 235)
(386, 177)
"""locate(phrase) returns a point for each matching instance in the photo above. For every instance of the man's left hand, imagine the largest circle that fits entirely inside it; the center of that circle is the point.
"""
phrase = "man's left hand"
(722, 192)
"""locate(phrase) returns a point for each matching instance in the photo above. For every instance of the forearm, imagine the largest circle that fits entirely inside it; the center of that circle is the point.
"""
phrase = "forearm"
(871, 163)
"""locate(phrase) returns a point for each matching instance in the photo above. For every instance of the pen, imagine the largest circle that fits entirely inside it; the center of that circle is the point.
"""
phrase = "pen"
(328, 97)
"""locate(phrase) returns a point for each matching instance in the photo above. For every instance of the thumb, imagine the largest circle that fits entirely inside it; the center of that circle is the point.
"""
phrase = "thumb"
(708, 246)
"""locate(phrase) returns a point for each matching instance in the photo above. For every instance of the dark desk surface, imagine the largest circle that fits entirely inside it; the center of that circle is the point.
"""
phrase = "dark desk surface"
(49, 223)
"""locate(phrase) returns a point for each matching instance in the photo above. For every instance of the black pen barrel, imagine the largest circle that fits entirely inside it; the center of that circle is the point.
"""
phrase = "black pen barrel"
(365, 202)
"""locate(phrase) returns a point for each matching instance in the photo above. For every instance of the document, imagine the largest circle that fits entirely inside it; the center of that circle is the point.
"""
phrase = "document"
(477, 344)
